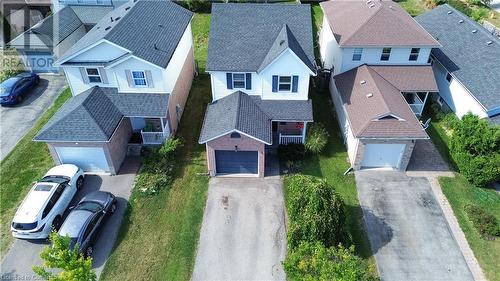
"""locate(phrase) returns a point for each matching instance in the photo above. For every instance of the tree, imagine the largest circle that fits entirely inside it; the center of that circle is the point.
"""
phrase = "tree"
(475, 148)
(312, 261)
(317, 138)
(316, 212)
(70, 265)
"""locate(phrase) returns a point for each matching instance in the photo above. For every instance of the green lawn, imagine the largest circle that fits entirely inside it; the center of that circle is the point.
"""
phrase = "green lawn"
(459, 193)
(159, 236)
(413, 7)
(27, 162)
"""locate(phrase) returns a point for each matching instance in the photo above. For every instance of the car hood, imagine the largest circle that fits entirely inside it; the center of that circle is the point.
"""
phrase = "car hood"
(75, 221)
(68, 170)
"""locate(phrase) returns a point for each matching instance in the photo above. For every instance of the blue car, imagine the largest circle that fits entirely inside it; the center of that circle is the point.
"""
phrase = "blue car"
(14, 89)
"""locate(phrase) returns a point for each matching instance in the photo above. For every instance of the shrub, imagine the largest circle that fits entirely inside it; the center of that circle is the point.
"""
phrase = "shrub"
(449, 120)
(11, 64)
(312, 261)
(68, 263)
(479, 14)
(485, 223)
(198, 6)
(291, 152)
(316, 212)
(475, 148)
(317, 138)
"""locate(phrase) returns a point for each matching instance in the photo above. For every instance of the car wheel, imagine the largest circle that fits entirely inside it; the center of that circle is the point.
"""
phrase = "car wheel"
(113, 208)
(56, 223)
(79, 183)
(89, 251)
(19, 98)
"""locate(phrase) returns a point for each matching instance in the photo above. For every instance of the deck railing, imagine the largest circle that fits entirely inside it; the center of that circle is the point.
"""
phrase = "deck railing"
(153, 137)
(287, 139)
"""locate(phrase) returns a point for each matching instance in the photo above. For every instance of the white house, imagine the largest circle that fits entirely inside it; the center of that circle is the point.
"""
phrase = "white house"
(467, 67)
(260, 83)
(125, 82)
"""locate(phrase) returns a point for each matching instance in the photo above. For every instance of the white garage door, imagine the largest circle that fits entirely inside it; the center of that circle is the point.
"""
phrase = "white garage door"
(382, 155)
(90, 159)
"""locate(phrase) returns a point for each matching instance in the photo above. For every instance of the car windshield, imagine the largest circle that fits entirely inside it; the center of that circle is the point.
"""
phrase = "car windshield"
(24, 226)
(93, 207)
(55, 179)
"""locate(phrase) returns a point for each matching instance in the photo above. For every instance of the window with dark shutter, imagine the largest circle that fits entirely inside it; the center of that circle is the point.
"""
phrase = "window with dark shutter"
(229, 80)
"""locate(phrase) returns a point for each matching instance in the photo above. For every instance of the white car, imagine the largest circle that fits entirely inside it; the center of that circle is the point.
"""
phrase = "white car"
(43, 208)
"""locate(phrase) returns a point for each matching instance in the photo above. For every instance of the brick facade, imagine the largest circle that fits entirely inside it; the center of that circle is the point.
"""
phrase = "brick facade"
(410, 144)
(226, 143)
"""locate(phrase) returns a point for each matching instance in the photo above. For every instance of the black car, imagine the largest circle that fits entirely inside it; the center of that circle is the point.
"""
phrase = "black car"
(86, 218)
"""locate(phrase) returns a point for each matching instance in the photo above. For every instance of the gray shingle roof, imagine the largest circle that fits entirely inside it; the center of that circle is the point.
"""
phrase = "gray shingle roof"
(250, 115)
(94, 114)
(91, 15)
(247, 37)
(149, 29)
(466, 54)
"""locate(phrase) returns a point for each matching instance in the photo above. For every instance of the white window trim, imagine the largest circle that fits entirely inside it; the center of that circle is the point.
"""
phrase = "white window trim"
(412, 54)
(291, 83)
(145, 79)
(389, 54)
(360, 53)
(244, 80)
(98, 75)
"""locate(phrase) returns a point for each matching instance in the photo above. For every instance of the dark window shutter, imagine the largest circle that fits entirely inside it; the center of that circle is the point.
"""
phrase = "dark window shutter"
(85, 77)
(128, 73)
(275, 83)
(295, 84)
(248, 79)
(229, 79)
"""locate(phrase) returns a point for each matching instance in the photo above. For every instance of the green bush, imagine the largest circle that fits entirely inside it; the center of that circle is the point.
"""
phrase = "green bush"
(485, 223)
(479, 13)
(317, 138)
(312, 261)
(475, 148)
(11, 64)
(291, 152)
(449, 120)
(198, 6)
(316, 212)
(158, 167)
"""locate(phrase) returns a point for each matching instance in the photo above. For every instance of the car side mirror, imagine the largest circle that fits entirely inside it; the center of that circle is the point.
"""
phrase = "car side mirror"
(104, 212)
(71, 208)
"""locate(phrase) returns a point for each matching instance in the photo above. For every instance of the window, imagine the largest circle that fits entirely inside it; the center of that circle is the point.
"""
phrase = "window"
(139, 78)
(238, 80)
(356, 54)
(448, 77)
(440, 101)
(93, 75)
(414, 54)
(386, 53)
(53, 200)
(285, 83)
(235, 135)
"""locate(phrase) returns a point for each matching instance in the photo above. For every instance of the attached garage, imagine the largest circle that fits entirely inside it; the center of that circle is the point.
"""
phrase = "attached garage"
(90, 159)
(236, 162)
(383, 155)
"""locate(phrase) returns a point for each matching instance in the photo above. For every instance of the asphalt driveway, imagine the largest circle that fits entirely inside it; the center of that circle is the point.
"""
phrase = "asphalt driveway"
(243, 231)
(23, 254)
(408, 233)
(17, 120)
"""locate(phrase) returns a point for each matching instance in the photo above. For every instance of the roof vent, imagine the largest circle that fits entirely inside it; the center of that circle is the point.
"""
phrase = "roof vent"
(474, 30)
(161, 25)
(112, 19)
(369, 95)
(489, 42)
(282, 42)
(449, 12)
(107, 28)
(368, 2)
(127, 8)
(460, 21)
(362, 82)
(390, 7)
(372, 5)
(118, 18)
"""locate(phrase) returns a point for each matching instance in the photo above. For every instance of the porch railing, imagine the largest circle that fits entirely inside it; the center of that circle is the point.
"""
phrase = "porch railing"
(153, 137)
(287, 139)
(417, 108)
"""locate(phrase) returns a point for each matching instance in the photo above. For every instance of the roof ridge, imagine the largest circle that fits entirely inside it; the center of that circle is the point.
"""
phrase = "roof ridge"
(370, 74)
(236, 112)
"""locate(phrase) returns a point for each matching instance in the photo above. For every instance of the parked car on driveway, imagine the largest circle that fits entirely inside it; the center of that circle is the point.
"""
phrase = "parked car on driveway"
(86, 219)
(44, 206)
(15, 89)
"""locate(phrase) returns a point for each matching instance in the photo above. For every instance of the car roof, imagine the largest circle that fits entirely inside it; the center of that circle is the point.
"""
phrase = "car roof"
(10, 82)
(74, 223)
(34, 202)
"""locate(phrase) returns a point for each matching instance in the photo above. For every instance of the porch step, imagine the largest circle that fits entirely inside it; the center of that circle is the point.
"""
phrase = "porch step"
(134, 149)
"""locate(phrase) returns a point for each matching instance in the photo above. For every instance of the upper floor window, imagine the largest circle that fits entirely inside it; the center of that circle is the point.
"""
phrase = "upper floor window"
(93, 75)
(356, 54)
(448, 77)
(139, 78)
(285, 83)
(386, 54)
(414, 54)
(239, 80)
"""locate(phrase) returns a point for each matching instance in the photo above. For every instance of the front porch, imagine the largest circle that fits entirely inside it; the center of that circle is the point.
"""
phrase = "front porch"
(289, 132)
(149, 131)
(416, 101)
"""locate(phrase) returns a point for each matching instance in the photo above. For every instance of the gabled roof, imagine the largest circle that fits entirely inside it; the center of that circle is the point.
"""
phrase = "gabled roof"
(250, 115)
(248, 37)
(466, 54)
(94, 114)
(371, 92)
(149, 29)
(91, 15)
(374, 23)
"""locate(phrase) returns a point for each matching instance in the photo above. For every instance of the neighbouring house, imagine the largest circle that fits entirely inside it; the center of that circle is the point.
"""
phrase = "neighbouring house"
(260, 61)
(20, 15)
(467, 67)
(127, 84)
(381, 79)
(46, 41)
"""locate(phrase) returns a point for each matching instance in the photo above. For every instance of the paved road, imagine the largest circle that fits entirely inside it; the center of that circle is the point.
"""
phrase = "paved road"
(243, 231)
(407, 230)
(23, 254)
(16, 121)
